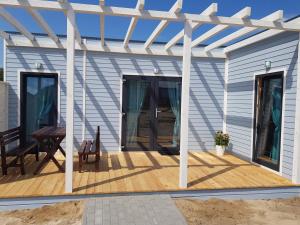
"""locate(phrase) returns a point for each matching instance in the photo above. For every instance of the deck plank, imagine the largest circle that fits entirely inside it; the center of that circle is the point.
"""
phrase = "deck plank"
(140, 172)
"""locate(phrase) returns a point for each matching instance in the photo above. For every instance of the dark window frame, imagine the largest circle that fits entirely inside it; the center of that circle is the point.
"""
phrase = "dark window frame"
(279, 74)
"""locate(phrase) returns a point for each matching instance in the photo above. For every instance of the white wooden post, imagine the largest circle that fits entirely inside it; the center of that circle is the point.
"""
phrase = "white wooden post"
(225, 96)
(296, 154)
(70, 100)
(185, 98)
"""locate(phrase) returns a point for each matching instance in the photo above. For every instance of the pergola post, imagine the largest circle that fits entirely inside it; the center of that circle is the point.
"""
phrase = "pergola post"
(185, 98)
(70, 100)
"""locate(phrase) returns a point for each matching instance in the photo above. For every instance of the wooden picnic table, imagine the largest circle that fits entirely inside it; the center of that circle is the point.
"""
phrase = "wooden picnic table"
(49, 139)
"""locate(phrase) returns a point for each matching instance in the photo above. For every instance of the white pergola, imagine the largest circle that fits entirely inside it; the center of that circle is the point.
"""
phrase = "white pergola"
(272, 23)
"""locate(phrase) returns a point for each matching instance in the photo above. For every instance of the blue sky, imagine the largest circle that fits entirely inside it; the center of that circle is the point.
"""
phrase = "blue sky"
(116, 27)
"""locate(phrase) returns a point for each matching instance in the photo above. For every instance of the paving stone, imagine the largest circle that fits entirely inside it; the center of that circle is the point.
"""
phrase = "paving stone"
(132, 210)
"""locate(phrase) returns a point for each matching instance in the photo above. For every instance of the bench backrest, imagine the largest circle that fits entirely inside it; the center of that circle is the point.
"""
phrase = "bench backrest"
(9, 136)
(97, 140)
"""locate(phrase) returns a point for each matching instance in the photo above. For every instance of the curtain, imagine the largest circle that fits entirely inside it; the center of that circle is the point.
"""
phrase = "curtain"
(46, 102)
(137, 90)
(174, 97)
(264, 117)
(41, 104)
(276, 117)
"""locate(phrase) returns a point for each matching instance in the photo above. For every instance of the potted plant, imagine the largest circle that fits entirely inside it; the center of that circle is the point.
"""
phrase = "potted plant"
(222, 141)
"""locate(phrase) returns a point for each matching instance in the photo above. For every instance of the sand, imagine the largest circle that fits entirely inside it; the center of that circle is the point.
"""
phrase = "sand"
(258, 212)
(57, 214)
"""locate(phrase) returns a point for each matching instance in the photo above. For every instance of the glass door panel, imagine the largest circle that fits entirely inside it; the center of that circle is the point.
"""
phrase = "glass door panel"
(39, 102)
(167, 115)
(151, 113)
(268, 113)
(137, 114)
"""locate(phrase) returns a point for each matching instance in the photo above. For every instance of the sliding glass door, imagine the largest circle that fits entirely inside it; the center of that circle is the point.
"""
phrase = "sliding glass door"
(38, 102)
(268, 116)
(151, 113)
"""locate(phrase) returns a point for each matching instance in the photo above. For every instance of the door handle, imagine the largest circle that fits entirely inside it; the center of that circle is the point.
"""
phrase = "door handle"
(156, 112)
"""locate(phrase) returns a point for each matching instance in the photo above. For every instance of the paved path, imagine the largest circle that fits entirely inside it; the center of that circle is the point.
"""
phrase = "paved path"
(133, 210)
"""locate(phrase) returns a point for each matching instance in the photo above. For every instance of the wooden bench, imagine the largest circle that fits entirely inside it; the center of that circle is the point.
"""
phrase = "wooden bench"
(18, 151)
(90, 147)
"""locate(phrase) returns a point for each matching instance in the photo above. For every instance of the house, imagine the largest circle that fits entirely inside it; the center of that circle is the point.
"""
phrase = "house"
(164, 97)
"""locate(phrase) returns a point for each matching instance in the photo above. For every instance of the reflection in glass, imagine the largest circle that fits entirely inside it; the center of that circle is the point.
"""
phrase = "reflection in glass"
(41, 103)
(268, 120)
(138, 114)
(168, 115)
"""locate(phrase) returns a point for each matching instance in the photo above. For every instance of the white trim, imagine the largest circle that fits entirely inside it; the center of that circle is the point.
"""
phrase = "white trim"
(120, 112)
(185, 99)
(41, 72)
(264, 72)
(226, 73)
(96, 47)
(71, 33)
(84, 59)
(149, 74)
(296, 153)
(4, 59)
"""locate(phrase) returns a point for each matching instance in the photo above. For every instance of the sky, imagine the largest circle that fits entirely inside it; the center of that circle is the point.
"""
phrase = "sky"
(116, 27)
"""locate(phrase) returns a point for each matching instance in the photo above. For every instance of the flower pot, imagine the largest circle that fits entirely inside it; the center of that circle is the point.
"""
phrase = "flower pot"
(220, 150)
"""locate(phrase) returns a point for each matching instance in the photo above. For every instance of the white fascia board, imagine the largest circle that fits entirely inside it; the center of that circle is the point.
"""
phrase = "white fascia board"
(163, 24)
(155, 15)
(209, 11)
(258, 37)
(10, 19)
(140, 5)
(115, 47)
(278, 15)
(242, 14)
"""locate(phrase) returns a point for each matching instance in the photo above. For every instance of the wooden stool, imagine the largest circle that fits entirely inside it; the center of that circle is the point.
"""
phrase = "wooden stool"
(89, 147)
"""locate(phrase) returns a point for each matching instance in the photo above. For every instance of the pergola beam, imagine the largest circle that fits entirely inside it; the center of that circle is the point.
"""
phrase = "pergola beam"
(67, 6)
(70, 100)
(139, 5)
(163, 24)
(242, 14)
(102, 23)
(210, 11)
(155, 15)
(95, 46)
(39, 19)
(10, 19)
(278, 15)
(258, 37)
(4, 35)
(185, 99)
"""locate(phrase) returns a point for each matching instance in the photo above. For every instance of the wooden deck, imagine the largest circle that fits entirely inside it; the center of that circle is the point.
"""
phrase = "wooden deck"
(141, 172)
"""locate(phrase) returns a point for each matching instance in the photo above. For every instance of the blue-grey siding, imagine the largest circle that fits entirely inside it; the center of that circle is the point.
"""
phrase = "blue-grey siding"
(103, 90)
(281, 50)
